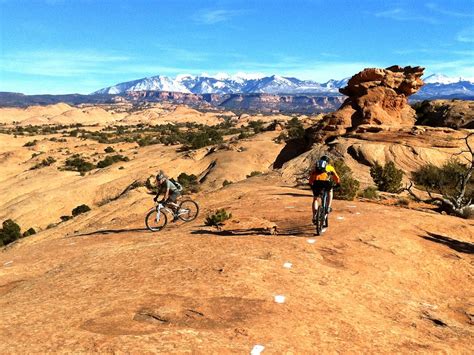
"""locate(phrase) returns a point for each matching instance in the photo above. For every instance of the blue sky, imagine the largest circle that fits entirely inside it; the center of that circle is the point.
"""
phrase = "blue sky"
(67, 46)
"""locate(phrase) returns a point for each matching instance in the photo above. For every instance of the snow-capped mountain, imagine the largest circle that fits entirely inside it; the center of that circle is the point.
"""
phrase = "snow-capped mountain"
(222, 83)
(436, 85)
(442, 86)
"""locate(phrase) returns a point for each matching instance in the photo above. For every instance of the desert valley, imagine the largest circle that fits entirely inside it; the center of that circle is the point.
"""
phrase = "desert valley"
(393, 272)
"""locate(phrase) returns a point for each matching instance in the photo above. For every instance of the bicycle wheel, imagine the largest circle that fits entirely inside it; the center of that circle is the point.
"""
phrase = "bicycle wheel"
(319, 220)
(188, 210)
(154, 224)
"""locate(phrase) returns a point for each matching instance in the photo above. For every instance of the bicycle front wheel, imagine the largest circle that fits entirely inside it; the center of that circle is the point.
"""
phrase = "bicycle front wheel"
(319, 220)
(155, 223)
(188, 210)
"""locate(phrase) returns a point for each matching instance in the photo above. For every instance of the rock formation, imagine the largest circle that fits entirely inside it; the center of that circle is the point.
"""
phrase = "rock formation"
(446, 113)
(376, 97)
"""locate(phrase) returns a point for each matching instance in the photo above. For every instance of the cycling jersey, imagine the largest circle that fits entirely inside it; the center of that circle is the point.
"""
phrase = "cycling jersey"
(327, 175)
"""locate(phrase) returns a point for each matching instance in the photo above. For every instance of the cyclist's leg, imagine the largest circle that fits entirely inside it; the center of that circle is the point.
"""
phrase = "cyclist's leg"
(330, 198)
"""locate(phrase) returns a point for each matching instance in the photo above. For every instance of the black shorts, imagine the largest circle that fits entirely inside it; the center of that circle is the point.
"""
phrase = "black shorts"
(320, 185)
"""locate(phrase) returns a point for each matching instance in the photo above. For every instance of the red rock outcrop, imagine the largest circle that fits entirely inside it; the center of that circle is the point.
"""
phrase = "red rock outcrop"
(376, 97)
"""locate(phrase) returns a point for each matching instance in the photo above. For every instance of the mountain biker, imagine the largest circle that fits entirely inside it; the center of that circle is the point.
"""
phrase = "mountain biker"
(171, 191)
(323, 176)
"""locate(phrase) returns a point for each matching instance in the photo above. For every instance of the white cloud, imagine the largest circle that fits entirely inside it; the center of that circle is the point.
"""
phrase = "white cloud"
(399, 14)
(211, 17)
(443, 11)
(466, 35)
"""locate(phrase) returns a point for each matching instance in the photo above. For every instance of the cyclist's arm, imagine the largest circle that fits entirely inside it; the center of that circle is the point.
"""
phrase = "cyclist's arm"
(336, 178)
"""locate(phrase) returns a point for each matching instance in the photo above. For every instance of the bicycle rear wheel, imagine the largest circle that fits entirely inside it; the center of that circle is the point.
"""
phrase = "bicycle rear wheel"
(155, 224)
(188, 210)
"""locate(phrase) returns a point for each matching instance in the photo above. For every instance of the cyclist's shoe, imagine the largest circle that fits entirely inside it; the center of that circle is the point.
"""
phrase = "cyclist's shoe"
(315, 219)
(324, 229)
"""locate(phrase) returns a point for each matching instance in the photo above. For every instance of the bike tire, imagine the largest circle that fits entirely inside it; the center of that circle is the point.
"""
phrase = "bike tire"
(319, 221)
(189, 205)
(152, 224)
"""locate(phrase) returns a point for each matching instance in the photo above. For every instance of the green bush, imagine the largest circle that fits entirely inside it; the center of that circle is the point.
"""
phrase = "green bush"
(45, 162)
(295, 129)
(444, 179)
(349, 186)
(370, 192)
(65, 218)
(111, 159)
(77, 163)
(30, 143)
(29, 232)
(387, 178)
(254, 173)
(226, 183)
(189, 183)
(10, 232)
(109, 150)
(257, 126)
(218, 218)
(210, 136)
(80, 209)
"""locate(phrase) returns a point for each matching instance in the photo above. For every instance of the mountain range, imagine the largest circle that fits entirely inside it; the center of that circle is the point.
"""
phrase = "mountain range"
(436, 86)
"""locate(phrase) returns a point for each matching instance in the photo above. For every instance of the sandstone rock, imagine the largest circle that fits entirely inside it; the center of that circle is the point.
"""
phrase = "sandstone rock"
(446, 113)
(376, 97)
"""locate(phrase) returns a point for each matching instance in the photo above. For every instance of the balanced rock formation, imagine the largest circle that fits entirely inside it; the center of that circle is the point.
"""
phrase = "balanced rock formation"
(376, 97)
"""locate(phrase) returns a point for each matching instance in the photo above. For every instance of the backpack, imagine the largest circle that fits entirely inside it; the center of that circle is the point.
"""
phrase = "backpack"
(320, 167)
(177, 184)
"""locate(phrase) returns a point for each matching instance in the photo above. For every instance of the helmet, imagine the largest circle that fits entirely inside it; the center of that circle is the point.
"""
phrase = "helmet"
(324, 158)
(161, 175)
(321, 165)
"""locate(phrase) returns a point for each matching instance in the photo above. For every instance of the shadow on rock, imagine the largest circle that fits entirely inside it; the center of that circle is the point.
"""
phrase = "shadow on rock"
(462, 247)
(111, 231)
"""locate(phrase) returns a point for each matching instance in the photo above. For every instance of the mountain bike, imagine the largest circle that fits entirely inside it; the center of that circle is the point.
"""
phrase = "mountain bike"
(322, 213)
(156, 219)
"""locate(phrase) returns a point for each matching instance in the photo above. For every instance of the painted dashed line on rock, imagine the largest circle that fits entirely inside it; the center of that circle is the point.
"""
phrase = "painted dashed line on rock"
(311, 241)
(8, 263)
(257, 349)
(279, 299)
(287, 265)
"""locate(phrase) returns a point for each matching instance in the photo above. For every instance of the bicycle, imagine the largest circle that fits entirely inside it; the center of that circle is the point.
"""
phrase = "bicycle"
(156, 219)
(322, 213)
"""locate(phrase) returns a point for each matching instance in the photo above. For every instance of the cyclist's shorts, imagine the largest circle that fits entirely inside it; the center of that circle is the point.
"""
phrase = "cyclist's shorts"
(174, 196)
(319, 185)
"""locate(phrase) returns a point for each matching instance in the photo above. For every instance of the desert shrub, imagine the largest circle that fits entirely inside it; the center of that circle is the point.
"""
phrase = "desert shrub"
(257, 126)
(190, 183)
(254, 173)
(209, 136)
(45, 162)
(369, 192)
(244, 135)
(444, 179)
(226, 183)
(217, 218)
(349, 185)
(295, 129)
(111, 159)
(10, 232)
(80, 209)
(77, 163)
(403, 201)
(387, 178)
(30, 143)
(29, 232)
(65, 218)
(282, 137)
(109, 149)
